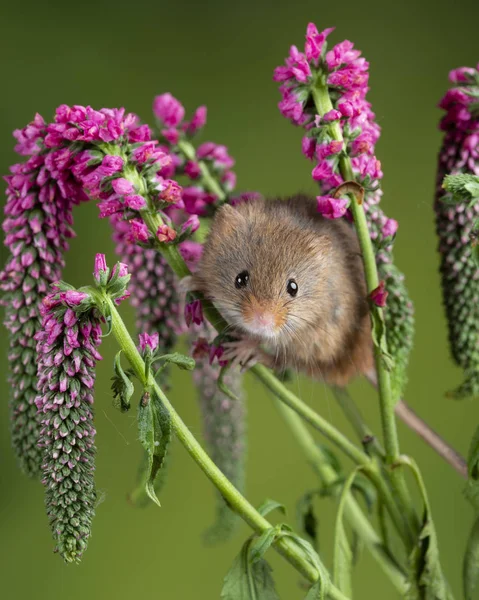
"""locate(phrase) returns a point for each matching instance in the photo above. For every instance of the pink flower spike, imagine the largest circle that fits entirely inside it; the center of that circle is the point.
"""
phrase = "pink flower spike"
(390, 227)
(168, 110)
(379, 295)
(135, 202)
(193, 313)
(332, 208)
(198, 121)
(122, 186)
(332, 115)
(148, 341)
(192, 224)
(100, 266)
(165, 233)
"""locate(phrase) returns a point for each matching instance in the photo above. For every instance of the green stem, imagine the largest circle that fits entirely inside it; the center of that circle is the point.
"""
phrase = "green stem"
(209, 181)
(286, 547)
(355, 418)
(323, 105)
(353, 512)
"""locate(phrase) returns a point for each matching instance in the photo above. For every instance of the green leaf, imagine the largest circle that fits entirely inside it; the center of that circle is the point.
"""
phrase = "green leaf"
(316, 592)
(261, 544)
(425, 578)
(379, 336)
(186, 363)
(269, 505)
(463, 186)
(470, 567)
(343, 555)
(121, 386)
(154, 429)
(247, 580)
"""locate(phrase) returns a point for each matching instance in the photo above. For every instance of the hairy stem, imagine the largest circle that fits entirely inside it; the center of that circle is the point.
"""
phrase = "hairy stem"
(386, 405)
(285, 546)
(353, 512)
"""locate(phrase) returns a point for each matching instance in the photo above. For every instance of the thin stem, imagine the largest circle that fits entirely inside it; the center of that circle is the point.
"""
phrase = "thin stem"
(285, 546)
(386, 405)
(355, 418)
(353, 512)
(209, 181)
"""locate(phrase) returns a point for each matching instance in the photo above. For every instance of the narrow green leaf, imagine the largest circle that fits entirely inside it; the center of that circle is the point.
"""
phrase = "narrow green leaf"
(472, 487)
(121, 386)
(185, 363)
(470, 567)
(426, 579)
(379, 336)
(343, 555)
(247, 580)
(306, 517)
(223, 387)
(154, 429)
(261, 544)
(316, 592)
(269, 505)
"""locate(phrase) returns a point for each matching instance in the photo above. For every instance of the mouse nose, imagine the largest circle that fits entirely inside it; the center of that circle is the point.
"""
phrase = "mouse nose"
(264, 318)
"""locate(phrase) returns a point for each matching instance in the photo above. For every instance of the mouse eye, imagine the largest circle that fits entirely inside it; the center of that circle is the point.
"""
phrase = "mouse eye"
(242, 279)
(292, 287)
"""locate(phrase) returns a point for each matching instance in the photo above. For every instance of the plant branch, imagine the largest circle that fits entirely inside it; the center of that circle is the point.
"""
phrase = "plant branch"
(285, 546)
(353, 512)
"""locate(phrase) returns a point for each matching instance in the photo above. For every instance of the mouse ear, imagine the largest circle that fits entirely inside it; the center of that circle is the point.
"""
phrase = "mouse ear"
(228, 215)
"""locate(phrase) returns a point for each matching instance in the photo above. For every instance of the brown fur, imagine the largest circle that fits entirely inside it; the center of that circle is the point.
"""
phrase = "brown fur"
(325, 329)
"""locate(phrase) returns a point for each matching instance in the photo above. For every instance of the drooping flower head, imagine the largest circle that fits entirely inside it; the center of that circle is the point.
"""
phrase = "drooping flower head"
(454, 224)
(67, 355)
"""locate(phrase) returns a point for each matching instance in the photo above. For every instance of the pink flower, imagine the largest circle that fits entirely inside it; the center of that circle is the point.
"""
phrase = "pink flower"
(191, 253)
(193, 313)
(322, 171)
(135, 202)
(341, 54)
(168, 110)
(332, 115)
(122, 186)
(329, 149)
(217, 352)
(73, 297)
(390, 228)
(308, 146)
(379, 295)
(122, 269)
(111, 165)
(100, 266)
(462, 74)
(171, 135)
(140, 134)
(110, 207)
(192, 169)
(165, 233)
(314, 42)
(332, 208)
(192, 224)
(148, 341)
(198, 121)
(170, 191)
(138, 231)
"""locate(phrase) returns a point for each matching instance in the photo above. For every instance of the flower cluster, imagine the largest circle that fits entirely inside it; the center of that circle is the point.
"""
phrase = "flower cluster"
(41, 193)
(224, 427)
(454, 224)
(67, 354)
(342, 130)
(206, 168)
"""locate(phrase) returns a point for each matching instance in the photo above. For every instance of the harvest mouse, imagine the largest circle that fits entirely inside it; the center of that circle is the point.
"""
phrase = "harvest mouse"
(291, 285)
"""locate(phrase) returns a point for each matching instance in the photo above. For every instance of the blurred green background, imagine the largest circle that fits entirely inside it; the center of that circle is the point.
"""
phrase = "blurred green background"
(222, 55)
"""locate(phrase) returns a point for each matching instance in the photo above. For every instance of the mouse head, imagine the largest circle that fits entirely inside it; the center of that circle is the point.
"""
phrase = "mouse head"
(263, 270)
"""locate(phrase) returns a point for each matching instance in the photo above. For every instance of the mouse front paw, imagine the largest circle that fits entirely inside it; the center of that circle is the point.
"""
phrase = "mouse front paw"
(244, 352)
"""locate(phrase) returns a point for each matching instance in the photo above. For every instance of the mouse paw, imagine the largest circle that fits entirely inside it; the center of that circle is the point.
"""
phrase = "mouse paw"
(244, 352)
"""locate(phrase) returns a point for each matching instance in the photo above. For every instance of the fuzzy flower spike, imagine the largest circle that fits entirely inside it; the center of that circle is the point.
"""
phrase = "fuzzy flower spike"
(324, 92)
(455, 220)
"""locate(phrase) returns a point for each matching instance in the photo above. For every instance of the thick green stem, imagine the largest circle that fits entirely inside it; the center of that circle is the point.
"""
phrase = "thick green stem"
(236, 501)
(323, 105)
(353, 512)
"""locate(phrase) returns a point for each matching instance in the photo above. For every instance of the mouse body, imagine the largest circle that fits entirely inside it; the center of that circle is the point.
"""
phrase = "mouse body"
(291, 286)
